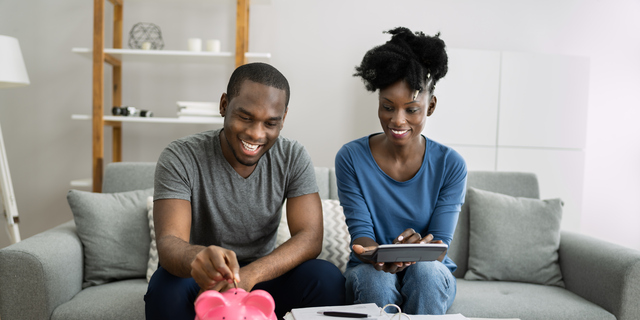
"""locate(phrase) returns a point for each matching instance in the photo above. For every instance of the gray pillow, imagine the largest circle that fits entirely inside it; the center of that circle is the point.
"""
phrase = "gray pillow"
(513, 239)
(114, 231)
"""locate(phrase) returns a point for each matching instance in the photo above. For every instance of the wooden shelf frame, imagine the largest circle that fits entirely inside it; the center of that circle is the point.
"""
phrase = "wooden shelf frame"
(100, 56)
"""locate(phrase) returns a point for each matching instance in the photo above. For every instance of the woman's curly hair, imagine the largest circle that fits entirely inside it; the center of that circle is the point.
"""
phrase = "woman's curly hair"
(414, 57)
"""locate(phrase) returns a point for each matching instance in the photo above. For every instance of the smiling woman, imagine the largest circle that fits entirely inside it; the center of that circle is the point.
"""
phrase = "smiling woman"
(398, 186)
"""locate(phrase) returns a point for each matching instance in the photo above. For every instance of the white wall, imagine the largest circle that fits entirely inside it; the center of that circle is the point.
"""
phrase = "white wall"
(316, 44)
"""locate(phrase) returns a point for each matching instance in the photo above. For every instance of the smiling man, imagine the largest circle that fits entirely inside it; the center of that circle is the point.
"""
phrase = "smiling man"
(217, 202)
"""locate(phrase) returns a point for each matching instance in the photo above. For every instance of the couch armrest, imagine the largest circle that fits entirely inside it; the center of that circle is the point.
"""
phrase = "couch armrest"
(40, 273)
(603, 273)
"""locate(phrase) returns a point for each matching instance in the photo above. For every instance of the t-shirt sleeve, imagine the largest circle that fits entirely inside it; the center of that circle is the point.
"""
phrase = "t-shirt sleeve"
(171, 176)
(450, 198)
(351, 196)
(302, 179)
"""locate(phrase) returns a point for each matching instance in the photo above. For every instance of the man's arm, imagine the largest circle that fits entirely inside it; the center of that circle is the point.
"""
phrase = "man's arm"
(304, 215)
(207, 265)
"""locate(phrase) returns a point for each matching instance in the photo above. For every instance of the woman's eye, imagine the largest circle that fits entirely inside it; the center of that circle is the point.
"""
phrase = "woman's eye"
(387, 108)
(412, 110)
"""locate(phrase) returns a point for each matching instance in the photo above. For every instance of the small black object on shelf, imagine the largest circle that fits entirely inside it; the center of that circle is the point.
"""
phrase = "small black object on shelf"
(145, 32)
(130, 112)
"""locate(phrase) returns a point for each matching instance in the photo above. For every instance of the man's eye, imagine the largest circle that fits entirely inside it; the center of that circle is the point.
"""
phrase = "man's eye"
(271, 124)
(244, 118)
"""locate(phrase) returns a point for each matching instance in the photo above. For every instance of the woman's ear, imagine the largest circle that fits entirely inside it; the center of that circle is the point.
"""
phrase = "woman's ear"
(432, 105)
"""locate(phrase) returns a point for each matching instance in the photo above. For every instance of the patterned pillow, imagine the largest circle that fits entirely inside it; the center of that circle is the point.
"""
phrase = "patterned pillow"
(152, 265)
(335, 246)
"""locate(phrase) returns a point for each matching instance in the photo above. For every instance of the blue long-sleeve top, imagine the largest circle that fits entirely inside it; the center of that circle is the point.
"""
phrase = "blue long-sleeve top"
(381, 208)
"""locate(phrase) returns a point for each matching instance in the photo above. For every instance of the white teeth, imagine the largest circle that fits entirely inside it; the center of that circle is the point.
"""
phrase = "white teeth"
(399, 132)
(250, 147)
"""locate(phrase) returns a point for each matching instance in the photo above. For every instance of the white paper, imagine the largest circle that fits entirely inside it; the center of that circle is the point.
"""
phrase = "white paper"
(370, 309)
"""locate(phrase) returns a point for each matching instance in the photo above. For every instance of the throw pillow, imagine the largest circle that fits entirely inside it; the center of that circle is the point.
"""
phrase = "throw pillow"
(114, 232)
(335, 246)
(152, 265)
(513, 239)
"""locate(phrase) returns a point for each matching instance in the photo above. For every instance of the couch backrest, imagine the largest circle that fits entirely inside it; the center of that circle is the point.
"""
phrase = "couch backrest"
(127, 176)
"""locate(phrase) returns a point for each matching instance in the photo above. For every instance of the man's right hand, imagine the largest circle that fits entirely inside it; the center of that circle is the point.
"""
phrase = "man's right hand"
(214, 264)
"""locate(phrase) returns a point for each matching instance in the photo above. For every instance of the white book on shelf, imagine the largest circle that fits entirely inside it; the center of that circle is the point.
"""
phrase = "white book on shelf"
(198, 112)
(197, 105)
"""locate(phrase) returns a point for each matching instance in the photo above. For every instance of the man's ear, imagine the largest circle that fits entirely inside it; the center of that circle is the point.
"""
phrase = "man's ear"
(224, 102)
(286, 109)
(432, 105)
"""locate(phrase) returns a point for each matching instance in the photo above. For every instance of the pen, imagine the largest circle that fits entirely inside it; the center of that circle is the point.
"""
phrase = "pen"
(343, 314)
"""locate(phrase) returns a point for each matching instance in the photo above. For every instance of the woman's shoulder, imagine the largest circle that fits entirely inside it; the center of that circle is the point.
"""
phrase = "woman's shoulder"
(358, 145)
(439, 150)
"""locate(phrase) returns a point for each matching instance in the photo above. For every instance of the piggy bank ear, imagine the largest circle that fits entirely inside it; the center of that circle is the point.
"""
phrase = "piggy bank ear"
(208, 300)
(260, 300)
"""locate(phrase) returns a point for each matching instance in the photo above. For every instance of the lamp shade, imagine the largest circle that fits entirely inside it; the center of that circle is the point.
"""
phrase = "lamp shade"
(13, 73)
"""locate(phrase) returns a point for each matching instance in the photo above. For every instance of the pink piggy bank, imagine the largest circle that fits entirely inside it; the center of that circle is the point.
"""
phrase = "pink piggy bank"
(235, 304)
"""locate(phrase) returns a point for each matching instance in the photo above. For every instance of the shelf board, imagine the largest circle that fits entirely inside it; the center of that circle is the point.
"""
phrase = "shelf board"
(82, 183)
(192, 120)
(170, 56)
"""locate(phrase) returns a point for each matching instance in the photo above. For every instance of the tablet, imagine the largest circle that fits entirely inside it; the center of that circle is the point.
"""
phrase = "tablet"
(405, 252)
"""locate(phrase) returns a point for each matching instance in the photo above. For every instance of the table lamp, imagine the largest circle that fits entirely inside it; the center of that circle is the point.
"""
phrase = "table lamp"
(12, 74)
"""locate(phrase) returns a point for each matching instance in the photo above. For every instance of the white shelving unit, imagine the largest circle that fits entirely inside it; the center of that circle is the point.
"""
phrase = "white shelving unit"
(116, 56)
(191, 120)
(171, 56)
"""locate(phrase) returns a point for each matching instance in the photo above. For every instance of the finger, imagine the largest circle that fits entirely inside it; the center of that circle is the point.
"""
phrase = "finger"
(414, 238)
(358, 249)
(405, 234)
(220, 260)
(378, 266)
(391, 267)
(221, 286)
(427, 238)
(234, 266)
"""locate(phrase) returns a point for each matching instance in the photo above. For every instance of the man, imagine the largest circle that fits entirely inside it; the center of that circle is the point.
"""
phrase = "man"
(218, 196)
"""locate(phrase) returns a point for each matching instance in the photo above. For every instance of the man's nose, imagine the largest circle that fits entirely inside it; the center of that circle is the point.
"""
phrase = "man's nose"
(257, 132)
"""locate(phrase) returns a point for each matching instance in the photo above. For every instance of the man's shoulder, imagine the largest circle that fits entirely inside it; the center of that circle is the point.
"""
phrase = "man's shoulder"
(286, 147)
(194, 141)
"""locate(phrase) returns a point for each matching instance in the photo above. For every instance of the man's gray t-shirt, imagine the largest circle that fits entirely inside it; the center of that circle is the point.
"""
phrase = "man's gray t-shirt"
(228, 210)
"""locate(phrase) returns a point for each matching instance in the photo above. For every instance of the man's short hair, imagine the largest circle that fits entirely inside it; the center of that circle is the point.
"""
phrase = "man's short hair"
(257, 72)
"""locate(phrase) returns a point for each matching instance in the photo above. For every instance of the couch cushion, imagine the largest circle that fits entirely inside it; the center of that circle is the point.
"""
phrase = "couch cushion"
(335, 244)
(513, 239)
(114, 231)
(502, 299)
(516, 184)
(120, 300)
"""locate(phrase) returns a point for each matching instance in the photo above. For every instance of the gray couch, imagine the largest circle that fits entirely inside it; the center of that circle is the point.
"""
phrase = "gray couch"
(41, 277)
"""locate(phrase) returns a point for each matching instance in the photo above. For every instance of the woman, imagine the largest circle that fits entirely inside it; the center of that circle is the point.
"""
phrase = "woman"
(398, 186)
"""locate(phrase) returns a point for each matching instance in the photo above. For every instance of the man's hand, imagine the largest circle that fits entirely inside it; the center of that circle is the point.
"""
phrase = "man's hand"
(214, 264)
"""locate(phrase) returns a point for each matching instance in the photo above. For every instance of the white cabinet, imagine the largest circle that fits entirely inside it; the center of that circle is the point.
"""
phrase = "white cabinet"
(510, 111)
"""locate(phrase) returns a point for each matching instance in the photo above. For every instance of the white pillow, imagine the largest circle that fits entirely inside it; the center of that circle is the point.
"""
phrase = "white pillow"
(152, 265)
(335, 246)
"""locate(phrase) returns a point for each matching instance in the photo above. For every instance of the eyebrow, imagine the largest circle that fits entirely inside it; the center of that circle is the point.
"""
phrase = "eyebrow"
(410, 102)
(240, 109)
